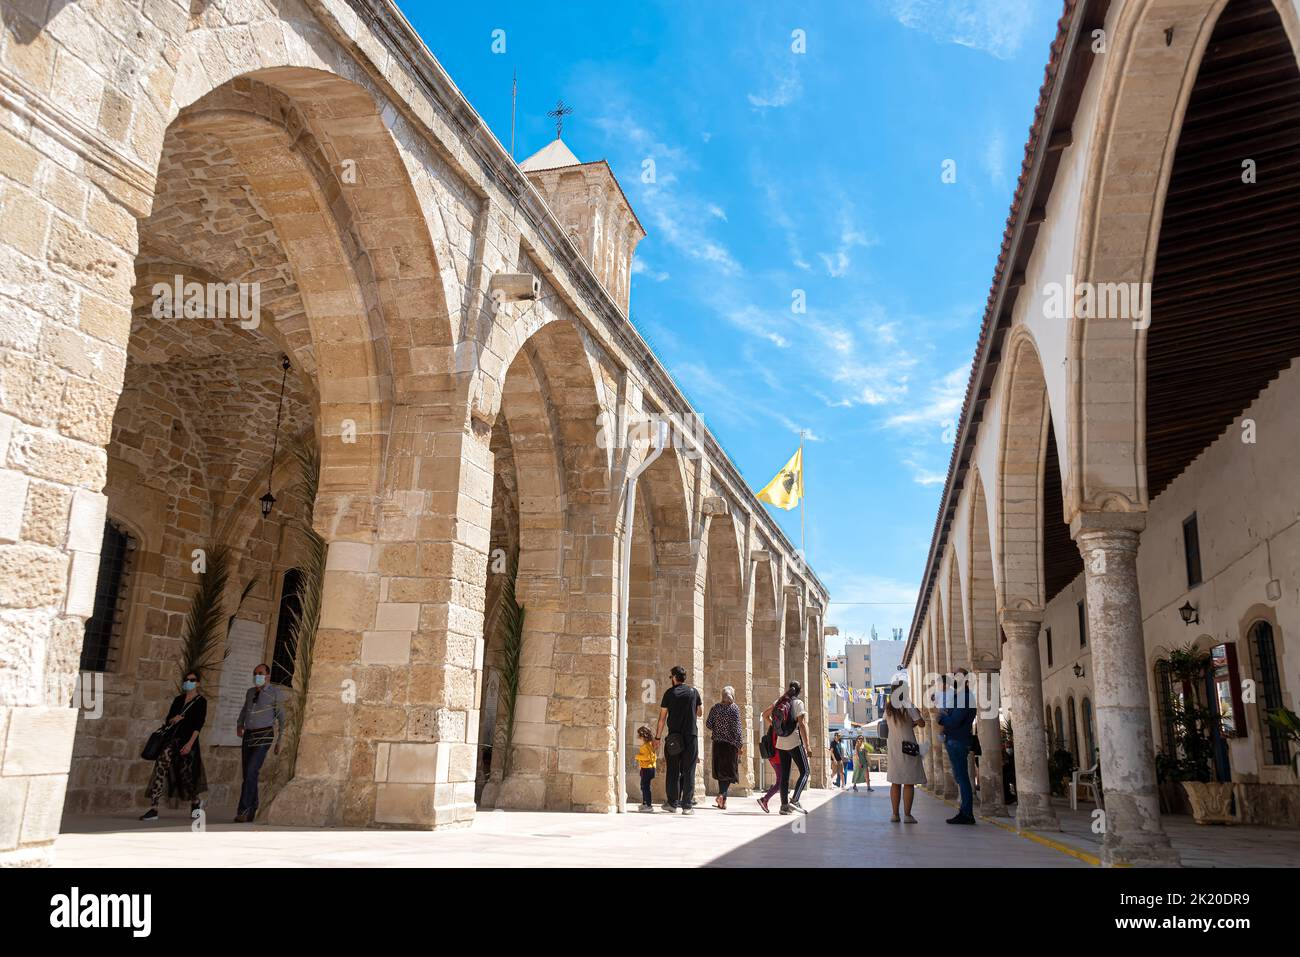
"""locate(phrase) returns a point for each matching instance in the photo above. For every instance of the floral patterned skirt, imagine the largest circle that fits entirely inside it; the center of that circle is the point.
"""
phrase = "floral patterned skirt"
(178, 776)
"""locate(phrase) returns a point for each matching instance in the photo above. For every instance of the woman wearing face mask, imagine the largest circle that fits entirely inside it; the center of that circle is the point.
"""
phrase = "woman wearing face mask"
(178, 771)
(261, 725)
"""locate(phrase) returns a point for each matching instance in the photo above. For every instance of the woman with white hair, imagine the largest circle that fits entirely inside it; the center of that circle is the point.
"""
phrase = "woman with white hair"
(723, 723)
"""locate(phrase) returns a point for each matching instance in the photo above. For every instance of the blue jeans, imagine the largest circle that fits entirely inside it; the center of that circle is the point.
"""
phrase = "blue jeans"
(253, 754)
(958, 757)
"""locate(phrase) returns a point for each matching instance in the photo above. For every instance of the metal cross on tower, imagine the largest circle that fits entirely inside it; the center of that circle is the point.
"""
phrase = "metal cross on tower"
(560, 112)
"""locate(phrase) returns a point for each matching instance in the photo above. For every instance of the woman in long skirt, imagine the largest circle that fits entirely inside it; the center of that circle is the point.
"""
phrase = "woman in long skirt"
(723, 723)
(178, 770)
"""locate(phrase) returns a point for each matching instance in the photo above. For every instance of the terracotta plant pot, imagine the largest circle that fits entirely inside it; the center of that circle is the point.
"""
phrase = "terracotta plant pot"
(1211, 802)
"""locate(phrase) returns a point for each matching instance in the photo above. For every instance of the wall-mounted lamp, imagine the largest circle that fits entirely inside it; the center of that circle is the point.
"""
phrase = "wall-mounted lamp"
(1078, 670)
(1189, 614)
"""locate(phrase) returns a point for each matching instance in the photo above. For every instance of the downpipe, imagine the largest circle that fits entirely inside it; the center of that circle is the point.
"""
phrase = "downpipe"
(624, 583)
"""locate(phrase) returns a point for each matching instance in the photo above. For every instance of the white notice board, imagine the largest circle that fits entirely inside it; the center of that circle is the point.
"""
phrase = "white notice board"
(244, 649)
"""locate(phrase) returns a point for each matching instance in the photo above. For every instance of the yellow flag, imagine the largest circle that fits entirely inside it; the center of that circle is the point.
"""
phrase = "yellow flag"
(785, 490)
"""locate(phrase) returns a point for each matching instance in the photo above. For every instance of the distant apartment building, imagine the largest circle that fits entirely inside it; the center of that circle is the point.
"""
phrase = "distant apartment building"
(867, 665)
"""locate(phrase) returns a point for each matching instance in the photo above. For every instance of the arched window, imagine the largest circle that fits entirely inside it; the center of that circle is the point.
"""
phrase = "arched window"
(1089, 739)
(104, 626)
(1074, 734)
(1060, 730)
(284, 657)
(1263, 656)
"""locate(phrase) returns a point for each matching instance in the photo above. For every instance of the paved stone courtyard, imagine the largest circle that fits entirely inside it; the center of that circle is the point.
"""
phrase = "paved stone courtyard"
(844, 829)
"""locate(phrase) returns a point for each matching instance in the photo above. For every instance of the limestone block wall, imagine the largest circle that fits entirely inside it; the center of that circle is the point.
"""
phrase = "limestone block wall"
(137, 142)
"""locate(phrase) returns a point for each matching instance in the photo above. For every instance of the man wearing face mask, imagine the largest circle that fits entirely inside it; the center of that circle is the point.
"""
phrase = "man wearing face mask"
(261, 725)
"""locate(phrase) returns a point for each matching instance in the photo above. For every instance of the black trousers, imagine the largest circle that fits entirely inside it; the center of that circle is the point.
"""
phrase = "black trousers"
(647, 775)
(680, 783)
(794, 756)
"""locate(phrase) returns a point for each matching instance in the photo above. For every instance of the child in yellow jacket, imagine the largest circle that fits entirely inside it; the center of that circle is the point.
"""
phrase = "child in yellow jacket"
(647, 759)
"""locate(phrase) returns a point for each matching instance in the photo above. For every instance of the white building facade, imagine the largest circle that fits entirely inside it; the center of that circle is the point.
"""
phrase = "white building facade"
(1121, 497)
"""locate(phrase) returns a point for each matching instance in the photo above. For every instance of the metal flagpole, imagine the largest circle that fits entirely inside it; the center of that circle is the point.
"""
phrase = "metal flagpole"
(802, 495)
(514, 100)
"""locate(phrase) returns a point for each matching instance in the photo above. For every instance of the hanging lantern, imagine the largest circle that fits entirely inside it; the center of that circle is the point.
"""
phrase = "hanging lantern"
(268, 500)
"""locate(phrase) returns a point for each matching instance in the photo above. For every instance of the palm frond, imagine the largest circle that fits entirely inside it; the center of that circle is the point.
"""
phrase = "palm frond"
(305, 621)
(509, 620)
(203, 636)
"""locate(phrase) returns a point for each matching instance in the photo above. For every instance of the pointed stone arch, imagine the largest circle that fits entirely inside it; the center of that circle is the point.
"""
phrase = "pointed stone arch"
(1155, 50)
(1026, 421)
(959, 646)
(986, 643)
(544, 439)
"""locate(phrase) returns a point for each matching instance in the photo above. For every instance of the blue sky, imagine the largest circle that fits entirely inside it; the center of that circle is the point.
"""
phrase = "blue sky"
(778, 171)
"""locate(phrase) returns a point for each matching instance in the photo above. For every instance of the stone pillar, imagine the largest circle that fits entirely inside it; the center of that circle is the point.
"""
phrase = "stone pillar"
(1109, 544)
(990, 738)
(1022, 686)
(816, 664)
(933, 766)
(391, 726)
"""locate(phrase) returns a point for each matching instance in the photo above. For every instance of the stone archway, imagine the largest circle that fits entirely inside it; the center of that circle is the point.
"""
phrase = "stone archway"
(665, 607)
(550, 530)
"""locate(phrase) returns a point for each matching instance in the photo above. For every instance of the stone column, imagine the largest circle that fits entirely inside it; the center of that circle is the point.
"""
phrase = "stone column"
(933, 769)
(391, 727)
(1022, 686)
(1109, 544)
(816, 663)
(990, 737)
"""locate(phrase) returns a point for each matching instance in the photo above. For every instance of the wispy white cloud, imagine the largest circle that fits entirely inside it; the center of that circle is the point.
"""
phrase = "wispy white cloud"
(808, 434)
(939, 408)
(784, 84)
(770, 326)
(852, 236)
(922, 475)
(779, 212)
(674, 212)
(861, 600)
(993, 158)
(639, 268)
(997, 27)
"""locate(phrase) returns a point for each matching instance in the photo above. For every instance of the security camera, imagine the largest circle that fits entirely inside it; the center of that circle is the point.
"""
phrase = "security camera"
(515, 287)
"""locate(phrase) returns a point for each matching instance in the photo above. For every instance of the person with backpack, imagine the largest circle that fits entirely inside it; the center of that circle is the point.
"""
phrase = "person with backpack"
(769, 751)
(790, 721)
(680, 708)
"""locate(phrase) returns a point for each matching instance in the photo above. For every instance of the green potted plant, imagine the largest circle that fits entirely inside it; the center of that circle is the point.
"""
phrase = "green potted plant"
(1191, 763)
